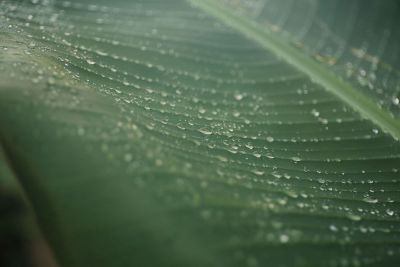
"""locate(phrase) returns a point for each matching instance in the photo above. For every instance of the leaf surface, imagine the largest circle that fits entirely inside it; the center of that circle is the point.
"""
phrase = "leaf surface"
(157, 133)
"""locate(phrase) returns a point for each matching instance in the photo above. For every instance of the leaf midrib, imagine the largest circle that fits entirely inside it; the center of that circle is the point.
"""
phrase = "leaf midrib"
(367, 108)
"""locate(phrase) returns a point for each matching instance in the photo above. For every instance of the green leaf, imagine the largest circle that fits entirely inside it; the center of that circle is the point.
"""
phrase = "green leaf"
(202, 133)
(329, 81)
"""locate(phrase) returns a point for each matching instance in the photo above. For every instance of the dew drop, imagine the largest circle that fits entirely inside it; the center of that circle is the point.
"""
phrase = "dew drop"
(389, 212)
(370, 200)
(101, 53)
(249, 146)
(315, 113)
(354, 217)
(223, 159)
(296, 159)
(270, 139)
(258, 172)
(238, 97)
(205, 131)
(284, 238)
(333, 228)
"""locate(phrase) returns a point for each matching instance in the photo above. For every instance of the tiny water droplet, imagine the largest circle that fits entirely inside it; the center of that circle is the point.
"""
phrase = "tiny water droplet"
(296, 159)
(101, 53)
(238, 97)
(354, 217)
(223, 159)
(370, 200)
(315, 113)
(333, 228)
(389, 212)
(205, 131)
(258, 172)
(284, 238)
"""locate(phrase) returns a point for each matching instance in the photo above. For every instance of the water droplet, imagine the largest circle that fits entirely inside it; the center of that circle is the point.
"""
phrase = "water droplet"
(249, 146)
(370, 200)
(333, 228)
(354, 217)
(205, 131)
(315, 113)
(296, 159)
(284, 238)
(389, 212)
(223, 159)
(238, 97)
(51, 81)
(101, 53)
(258, 172)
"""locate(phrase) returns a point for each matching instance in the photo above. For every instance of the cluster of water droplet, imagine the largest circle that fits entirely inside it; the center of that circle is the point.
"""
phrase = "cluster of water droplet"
(249, 143)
